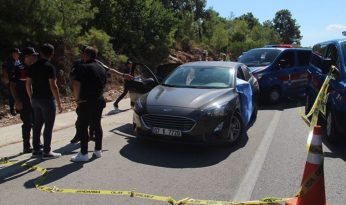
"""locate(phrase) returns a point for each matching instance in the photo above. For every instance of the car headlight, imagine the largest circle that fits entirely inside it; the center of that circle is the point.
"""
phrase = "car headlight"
(139, 107)
(217, 110)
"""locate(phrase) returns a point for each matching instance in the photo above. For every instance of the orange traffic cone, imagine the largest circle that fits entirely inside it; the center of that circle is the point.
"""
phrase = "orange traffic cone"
(312, 190)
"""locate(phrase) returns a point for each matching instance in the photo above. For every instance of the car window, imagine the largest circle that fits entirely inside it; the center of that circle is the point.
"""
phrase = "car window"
(201, 77)
(332, 54)
(286, 60)
(246, 72)
(259, 57)
(304, 58)
(240, 73)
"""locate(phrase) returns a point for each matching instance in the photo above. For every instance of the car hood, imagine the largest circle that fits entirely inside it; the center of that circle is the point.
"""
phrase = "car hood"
(257, 69)
(187, 97)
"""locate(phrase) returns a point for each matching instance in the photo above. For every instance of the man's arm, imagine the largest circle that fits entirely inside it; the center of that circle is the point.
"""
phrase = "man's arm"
(55, 92)
(76, 90)
(17, 103)
(28, 86)
(124, 75)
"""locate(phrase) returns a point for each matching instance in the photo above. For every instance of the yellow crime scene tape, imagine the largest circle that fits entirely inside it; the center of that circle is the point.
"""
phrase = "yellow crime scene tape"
(38, 184)
(320, 105)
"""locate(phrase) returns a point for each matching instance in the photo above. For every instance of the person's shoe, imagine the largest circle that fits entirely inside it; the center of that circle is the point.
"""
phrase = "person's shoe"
(27, 150)
(97, 153)
(36, 154)
(51, 155)
(75, 140)
(80, 157)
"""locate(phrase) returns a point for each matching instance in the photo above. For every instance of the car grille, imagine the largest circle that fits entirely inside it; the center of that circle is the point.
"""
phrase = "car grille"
(169, 122)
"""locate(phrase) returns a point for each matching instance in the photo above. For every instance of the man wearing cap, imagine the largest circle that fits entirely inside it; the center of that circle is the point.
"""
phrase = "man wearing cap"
(8, 67)
(18, 80)
(129, 71)
(42, 88)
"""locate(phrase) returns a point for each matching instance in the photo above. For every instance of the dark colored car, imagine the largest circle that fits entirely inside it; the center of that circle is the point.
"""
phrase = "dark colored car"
(323, 56)
(199, 102)
(281, 72)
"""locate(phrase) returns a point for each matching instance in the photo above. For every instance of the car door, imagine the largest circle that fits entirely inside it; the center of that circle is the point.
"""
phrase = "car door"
(144, 80)
(283, 69)
(299, 75)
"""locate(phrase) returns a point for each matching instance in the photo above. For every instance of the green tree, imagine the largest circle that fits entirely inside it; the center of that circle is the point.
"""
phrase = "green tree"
(287, 27)
(250, 19)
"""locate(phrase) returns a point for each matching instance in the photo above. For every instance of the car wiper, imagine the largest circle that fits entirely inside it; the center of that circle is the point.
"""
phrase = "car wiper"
(168, 85)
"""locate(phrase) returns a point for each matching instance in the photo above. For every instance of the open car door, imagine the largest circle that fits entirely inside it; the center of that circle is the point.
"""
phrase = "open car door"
(144, 80)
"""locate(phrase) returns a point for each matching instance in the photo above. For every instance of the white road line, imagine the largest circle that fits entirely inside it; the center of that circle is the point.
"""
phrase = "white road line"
(249, 181)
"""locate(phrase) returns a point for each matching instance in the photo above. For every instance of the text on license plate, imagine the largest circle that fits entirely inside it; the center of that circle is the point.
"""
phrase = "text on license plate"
(164, 131)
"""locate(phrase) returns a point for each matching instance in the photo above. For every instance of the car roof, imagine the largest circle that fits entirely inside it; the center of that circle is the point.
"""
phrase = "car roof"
(282, 49)
(333, 41)
(214, 64)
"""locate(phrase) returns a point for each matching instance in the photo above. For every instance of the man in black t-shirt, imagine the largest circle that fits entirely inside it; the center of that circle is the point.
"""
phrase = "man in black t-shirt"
(18, 77)
(43, 90)
(88, 86)
(130, 71)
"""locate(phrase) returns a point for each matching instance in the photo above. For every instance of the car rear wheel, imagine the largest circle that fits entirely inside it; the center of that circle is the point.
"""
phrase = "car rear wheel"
(274, 95)
(331, 133)
(235, 130)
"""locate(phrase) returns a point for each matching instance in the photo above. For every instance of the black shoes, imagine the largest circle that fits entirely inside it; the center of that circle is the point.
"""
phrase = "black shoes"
(27, 150)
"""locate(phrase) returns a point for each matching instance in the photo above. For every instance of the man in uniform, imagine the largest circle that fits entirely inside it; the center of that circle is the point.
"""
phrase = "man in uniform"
(18, 79)
(8, 69)
(88, 87)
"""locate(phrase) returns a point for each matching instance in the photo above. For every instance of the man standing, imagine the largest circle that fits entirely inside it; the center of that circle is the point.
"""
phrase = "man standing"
(88, 87)
(8, 69)
(130, 72)
(18, 78)
(42, 89)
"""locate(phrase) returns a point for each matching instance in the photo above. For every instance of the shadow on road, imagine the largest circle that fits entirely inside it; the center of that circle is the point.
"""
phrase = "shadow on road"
(283, 105)
(15, 171)
(338, 150)
(172, 155)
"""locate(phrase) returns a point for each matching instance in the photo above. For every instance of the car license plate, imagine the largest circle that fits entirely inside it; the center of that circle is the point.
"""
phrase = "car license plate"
(167, 132)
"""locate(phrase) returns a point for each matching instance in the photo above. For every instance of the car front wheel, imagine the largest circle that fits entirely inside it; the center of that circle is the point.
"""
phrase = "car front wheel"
(274, 95)
(235, 130)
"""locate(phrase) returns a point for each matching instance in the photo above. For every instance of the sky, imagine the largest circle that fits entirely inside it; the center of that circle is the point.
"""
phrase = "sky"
(318, 20)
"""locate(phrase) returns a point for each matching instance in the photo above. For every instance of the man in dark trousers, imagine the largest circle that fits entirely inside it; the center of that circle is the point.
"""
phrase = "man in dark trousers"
(18, 78)
(129, 71)
(88, 87)
(8, 68)
(109, 70)
(43, 91)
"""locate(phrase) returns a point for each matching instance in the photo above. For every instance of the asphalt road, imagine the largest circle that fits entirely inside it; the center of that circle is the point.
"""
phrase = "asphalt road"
(268, 162)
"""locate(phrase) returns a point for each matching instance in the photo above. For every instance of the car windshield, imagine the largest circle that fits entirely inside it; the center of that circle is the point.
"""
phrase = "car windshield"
(343, 46)
(259, 57)
(201, 77)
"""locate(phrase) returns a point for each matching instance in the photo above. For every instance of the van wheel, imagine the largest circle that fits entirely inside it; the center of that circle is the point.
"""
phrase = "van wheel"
(330, 129)
(274, 95)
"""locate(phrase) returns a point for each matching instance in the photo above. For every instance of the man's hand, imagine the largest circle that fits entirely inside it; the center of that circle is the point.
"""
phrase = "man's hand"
(18, 105)
(60, 108)
(128, 77)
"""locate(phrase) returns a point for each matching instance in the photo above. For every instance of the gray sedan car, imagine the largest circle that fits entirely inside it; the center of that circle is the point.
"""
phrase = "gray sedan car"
(198, 102)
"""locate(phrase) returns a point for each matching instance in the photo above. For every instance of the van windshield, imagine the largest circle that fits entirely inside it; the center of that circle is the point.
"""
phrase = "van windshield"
(259, 57)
